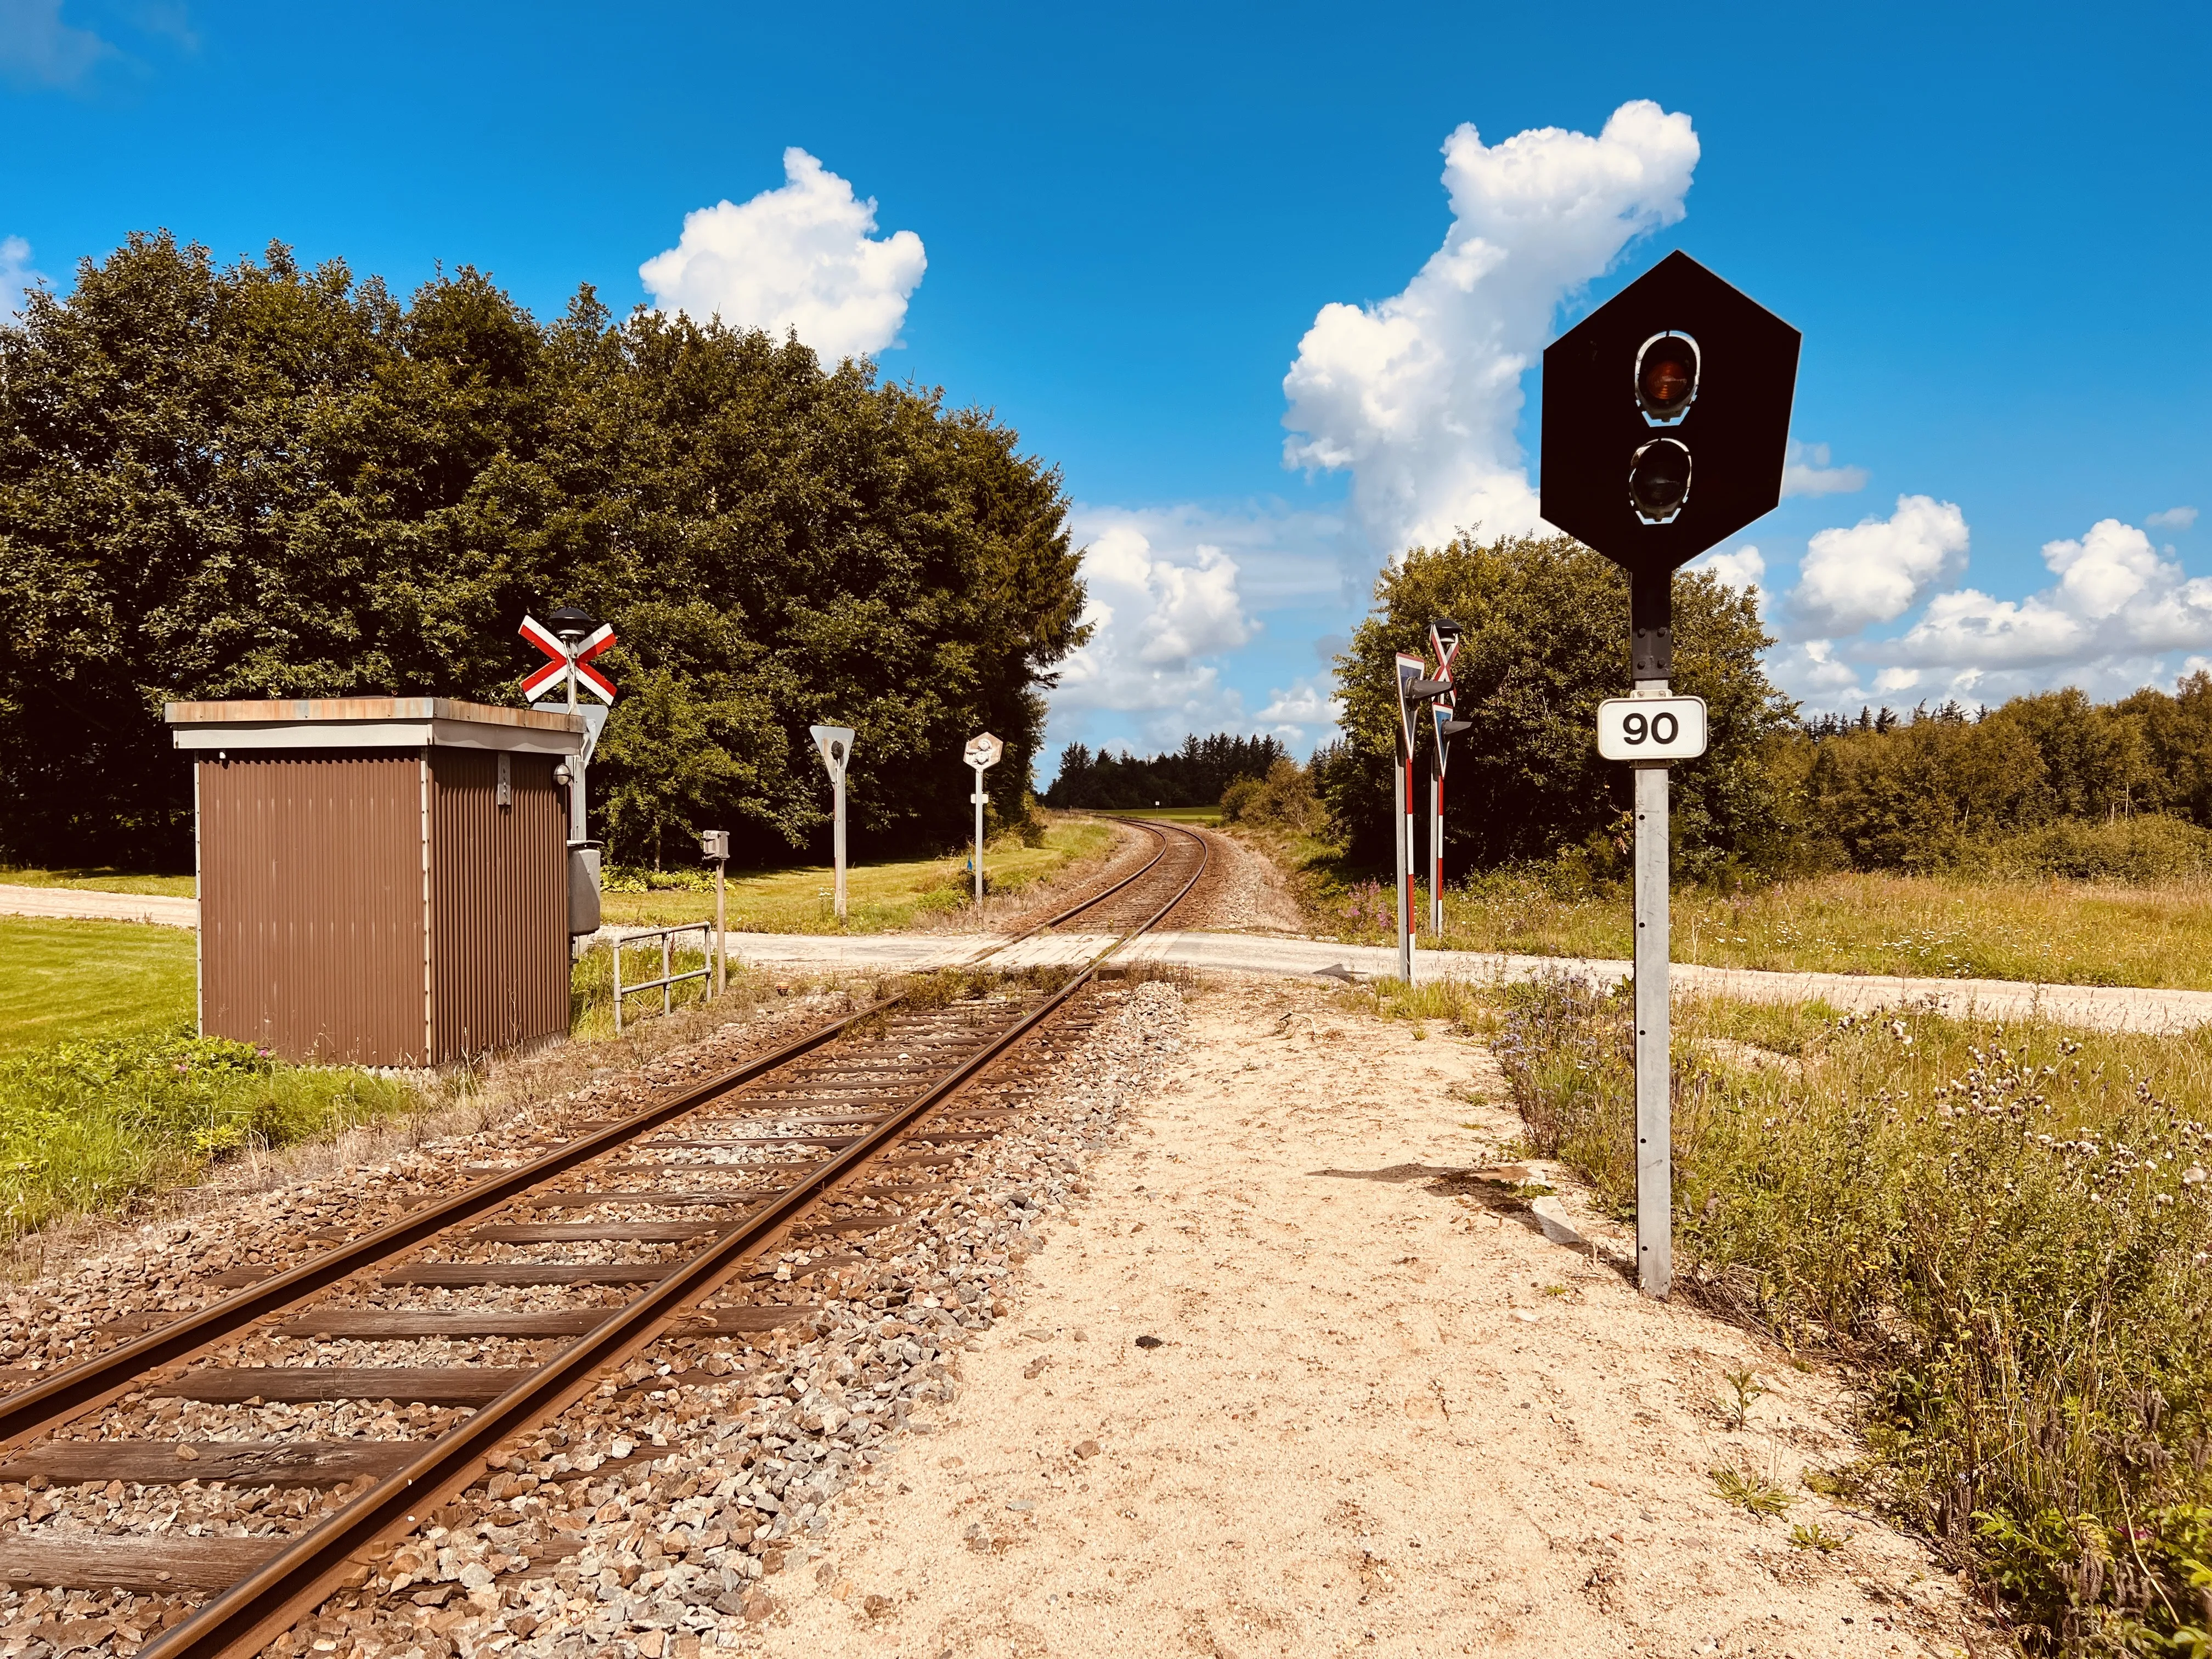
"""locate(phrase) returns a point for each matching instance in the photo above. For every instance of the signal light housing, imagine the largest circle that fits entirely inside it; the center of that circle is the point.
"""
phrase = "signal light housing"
(1679, 350)
(1667, 377)
(1659, 480)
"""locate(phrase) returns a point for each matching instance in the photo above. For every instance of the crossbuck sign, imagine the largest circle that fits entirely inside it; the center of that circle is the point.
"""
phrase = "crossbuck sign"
(570, 663)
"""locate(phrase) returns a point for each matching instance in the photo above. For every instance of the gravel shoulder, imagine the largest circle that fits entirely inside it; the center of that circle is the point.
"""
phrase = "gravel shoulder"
(1385, 1413)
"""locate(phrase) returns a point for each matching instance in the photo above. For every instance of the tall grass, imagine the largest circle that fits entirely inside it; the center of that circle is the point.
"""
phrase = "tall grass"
(85, 1125)
(2008, 1229)
(2005, 924)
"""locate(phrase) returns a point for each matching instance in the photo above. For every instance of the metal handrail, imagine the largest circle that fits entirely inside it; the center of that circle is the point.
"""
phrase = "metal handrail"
(668, 978)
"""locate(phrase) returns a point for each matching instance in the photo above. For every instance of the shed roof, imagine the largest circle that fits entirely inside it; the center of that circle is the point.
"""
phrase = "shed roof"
(372, 723)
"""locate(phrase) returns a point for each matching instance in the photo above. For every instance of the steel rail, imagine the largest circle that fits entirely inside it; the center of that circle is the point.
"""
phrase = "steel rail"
(94, 1382)
(1100, 898)
(90, 1383)
(301, 1576)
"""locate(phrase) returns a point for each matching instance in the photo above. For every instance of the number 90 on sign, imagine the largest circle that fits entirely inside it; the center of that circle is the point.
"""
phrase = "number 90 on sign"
(1651, 728)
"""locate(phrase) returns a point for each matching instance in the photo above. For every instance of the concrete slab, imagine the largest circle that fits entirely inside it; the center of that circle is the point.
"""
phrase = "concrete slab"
(2098, 1007)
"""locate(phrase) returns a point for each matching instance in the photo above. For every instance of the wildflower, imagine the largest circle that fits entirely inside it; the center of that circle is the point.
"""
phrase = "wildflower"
(2193, 1176)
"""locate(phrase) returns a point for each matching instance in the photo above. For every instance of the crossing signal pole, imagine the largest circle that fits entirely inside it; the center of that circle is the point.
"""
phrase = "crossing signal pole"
(1443, 645)
(1666, 417)
(1414, 688)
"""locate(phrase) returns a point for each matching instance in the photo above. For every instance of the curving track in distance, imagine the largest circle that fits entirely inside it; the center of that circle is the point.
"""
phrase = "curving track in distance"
(889, 1091)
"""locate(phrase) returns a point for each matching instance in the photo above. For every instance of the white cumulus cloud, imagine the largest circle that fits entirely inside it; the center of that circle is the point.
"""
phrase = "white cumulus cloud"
(1876, 570)
(1418, 396)
(1741, 568)
(1157, 616)
(17, 278)
(1299, 711)
(1806, 471)
(800, 257)
(2174, 518)
(2113, 618)
(2116, 602)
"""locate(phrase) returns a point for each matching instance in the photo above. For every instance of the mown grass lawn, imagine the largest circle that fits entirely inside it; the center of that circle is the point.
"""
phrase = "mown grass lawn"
(880, 897)
(100, 880)
(67, 981)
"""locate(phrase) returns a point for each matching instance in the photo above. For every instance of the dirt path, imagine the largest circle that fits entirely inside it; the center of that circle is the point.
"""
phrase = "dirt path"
(1383, 1414)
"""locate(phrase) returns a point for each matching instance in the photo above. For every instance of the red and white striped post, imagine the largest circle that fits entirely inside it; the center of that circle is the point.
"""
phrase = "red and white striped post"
(1443, 645)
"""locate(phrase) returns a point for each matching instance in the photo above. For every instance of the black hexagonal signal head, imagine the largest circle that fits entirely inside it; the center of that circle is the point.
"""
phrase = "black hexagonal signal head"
(1667, 417)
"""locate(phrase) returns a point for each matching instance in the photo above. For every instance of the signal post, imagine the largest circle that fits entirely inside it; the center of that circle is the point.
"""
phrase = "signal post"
(983, 752)
(1666, 419)
(835, 743)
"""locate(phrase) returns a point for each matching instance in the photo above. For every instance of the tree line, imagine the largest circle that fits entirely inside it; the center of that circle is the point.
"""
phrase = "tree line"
(1777, 794)
(259, 480)
(1195, 775)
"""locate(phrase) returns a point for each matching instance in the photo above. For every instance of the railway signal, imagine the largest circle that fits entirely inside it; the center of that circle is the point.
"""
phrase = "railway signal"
(715, 848)
(1666, 417)
(570, 642)
(983, 752)
(1443, 645)
(836, 744)
(1414, 688)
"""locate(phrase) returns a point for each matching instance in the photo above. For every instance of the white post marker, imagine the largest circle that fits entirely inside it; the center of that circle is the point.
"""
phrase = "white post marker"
(836, 743)
(983, 752)
(1651, 730)
(714, 844)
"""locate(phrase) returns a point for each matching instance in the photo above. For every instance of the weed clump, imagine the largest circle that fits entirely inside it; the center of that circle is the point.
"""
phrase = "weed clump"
(2010, 1232)
(85, 1125)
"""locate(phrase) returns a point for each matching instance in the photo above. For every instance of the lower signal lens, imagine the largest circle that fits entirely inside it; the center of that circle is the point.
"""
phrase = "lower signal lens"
(1659, 480)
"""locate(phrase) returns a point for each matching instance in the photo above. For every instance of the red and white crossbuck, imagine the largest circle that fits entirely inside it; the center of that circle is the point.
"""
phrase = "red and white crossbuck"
(566, 658)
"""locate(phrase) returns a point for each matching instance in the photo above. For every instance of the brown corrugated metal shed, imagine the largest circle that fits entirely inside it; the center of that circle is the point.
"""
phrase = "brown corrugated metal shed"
(383, 881)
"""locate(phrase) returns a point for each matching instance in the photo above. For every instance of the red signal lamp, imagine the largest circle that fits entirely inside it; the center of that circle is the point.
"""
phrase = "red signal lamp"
(1667, 378)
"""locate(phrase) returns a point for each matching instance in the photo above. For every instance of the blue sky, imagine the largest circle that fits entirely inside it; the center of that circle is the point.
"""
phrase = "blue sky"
(1992, 227)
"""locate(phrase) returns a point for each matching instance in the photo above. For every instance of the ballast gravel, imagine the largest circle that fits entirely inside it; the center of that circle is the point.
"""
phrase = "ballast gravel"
(656, 1517)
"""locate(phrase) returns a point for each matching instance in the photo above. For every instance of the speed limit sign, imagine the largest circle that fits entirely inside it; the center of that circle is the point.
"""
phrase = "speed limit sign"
(1654, 729)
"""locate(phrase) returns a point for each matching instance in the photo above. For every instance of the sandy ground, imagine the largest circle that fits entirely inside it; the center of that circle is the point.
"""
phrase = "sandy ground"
(1383, 1414)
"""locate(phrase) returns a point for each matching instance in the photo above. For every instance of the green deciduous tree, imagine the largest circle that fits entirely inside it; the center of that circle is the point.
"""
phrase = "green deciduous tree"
(258, 481)
(1546, 624)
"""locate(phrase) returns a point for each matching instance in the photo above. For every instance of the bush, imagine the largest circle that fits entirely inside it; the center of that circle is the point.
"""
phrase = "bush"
(1284, 800)
(2010, 1231)
(85, 1126)
(1547, 640)
(2140, 851)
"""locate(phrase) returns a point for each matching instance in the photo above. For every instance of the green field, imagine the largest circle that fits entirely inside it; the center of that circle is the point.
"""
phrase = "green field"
(2051, 931)
(879, 897)
(1210, 816)
(98, 881)
(65, 980)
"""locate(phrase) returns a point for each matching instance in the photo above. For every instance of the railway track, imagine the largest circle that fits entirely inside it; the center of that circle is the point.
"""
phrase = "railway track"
(555, 1273)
